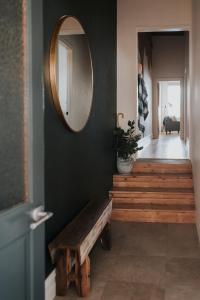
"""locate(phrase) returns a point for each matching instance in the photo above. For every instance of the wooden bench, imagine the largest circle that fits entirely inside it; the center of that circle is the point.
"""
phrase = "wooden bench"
(70, 249)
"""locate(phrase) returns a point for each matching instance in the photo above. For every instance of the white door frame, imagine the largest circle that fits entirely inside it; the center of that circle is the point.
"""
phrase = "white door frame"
(155, 105)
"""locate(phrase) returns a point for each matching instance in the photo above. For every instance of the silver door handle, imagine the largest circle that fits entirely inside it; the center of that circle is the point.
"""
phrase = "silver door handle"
(39, 216)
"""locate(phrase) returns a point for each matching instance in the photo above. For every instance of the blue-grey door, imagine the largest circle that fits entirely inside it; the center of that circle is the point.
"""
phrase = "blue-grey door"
(21, 150)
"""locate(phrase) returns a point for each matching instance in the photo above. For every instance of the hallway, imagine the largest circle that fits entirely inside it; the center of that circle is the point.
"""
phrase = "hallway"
(167, 147)
(147, 262)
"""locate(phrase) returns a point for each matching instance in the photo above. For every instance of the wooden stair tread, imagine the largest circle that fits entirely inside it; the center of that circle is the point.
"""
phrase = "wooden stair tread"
(162, 166)
(160, 207)
(152, 190)
(163, 161)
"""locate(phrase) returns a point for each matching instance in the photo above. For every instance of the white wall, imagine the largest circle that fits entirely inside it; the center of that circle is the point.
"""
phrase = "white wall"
(136, 15)
(195, 106)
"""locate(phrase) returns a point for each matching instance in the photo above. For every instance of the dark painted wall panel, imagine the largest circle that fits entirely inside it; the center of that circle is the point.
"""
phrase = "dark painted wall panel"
(79, 167)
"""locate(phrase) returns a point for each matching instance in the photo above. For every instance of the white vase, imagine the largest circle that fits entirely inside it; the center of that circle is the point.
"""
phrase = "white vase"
(124, 166)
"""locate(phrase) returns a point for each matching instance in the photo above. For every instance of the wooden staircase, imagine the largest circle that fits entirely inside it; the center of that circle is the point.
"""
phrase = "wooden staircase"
(156, 191)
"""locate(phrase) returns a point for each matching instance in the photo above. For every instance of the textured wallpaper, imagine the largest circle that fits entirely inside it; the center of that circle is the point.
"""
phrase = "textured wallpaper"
(11, 104)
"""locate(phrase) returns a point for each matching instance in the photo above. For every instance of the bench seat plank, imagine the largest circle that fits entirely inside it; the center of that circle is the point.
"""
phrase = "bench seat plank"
(73, 235)
(93, 235)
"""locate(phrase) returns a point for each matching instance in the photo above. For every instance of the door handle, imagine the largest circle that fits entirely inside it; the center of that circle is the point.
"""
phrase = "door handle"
(39, 216)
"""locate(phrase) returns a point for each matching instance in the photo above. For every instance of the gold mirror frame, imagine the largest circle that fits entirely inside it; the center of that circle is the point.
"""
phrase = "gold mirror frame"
(53, 57)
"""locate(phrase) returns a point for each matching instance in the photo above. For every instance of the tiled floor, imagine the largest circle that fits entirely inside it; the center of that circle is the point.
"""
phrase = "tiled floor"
(147, 262)
(167, 146)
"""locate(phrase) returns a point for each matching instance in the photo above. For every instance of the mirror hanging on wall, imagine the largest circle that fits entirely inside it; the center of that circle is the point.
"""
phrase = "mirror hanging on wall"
(71, 73)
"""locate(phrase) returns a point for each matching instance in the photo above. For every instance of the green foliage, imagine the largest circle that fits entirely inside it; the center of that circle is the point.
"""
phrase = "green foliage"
(126, 142)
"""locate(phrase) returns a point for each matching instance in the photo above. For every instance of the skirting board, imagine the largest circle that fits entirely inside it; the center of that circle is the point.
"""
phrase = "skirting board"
(50, 286)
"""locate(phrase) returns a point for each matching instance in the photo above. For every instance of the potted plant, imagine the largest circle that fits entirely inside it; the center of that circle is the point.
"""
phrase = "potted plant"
(126, 145)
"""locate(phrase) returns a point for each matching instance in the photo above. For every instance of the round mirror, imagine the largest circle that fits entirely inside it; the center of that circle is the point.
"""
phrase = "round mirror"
(71, 73)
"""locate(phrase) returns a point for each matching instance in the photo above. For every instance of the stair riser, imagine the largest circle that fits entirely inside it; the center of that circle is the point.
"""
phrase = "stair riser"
(156, 195)
(146, 200)
(128, 215)
(155, 182)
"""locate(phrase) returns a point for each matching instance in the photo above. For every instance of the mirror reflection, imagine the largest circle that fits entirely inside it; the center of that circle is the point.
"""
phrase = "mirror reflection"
(71, 73)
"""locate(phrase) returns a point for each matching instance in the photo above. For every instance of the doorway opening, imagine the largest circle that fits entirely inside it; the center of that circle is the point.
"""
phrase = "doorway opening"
(163, 93)
(169, 110)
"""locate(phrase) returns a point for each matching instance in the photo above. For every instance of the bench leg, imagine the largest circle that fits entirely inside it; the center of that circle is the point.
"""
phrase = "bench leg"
(106, 237)
(61, 280)
(82, 274)
(68, 267)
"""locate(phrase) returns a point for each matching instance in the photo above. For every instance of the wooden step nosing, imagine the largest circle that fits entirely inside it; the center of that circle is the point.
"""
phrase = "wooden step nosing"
(154, 206)
(153, 201)
(153, 210)
(161, 185)
(170, 192)
(161, 160)
(150, 175)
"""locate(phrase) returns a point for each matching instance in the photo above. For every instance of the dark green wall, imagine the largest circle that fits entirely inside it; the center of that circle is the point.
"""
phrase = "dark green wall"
(79, 167)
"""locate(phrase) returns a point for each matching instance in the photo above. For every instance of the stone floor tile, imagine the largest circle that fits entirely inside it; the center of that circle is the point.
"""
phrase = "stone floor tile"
(150, 229)
(148, 270)
(102, 268)
(122, 229)
(152, 245)
(117, 291)
(182, 293)
(142, 239)
(128, 291)
(183, 241)
(183, 271)
(96, 292)
(147, 292)
(120, 270)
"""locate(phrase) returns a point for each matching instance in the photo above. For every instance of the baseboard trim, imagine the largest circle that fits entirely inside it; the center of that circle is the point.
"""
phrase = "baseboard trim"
(50, 286)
